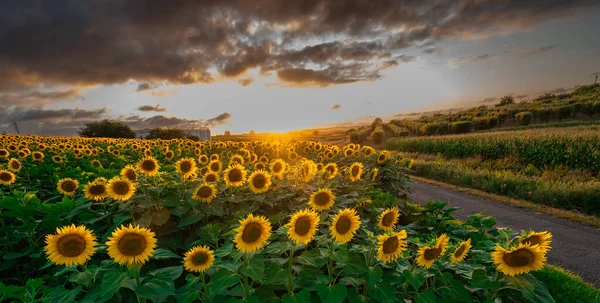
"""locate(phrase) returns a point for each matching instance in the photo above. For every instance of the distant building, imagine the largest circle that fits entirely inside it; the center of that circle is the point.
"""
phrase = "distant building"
(202, 133)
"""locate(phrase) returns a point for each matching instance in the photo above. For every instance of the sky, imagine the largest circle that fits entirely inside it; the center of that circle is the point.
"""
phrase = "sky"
(278, 66)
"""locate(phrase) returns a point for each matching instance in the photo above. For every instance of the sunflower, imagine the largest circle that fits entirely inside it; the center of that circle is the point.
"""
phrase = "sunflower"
(57, 159)
(348, 152)
(355, 171)
(67, 186)
(205, 193)
(322, 199)
(442, 242)
(253, 233)
(186, 167)
(4, 153)
(278, 167)
(120, 188)
(461, 251)
(96, 163)
(330, 170)
(260, 166)
(128, 172)
(368, 151)
(543, 239)
(259, 181)
(344, 225)
(374, 174)
(388, 219)
(148, 166)
(198, 259)
(428, 254)
(129, 245)
(6, 177)
(391, 246)
(519, 260)
(215, 157)
(14, 165)
(100, 180)
(363, 202)
(383, 157)
(215, 165)
(235, 175)
(38, 156)
(211, 177)
(411, 163)
(303, 226)
(147, 152)
(203, 159)
(169, 154)
(308, 170)
(236, 159)
(70, 245)
(95, 191)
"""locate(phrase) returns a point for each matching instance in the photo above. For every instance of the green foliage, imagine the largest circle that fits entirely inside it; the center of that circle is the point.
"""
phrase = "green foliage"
(567, 287)
(524, 118)
(506, 100)
(106, 129)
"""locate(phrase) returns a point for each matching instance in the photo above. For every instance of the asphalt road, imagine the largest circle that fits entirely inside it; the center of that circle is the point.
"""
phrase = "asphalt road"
(575, 247)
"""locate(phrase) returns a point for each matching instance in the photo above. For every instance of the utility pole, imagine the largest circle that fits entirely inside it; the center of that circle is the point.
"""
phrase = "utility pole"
(597, 74)
(16, 127)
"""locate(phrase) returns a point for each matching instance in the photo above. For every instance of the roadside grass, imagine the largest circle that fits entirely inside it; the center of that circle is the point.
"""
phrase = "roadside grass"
(566, 286)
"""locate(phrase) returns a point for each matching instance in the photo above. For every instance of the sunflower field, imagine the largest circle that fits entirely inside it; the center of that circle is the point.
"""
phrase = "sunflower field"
(128, 220)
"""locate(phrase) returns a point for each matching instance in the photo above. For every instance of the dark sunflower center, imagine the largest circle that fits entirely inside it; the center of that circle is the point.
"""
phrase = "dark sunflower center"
(148, 165)
(388, 219)
(355, 170)
(130, 174)
(97, 189)
(381, 158)
(259, 181)
(211, 178)
(277, 167)
(330, 169)
(532, 240)
(390, 245)
(121, 188)
(4, 176)
(200, 258)
(68, 186)
(185, 166)
(343, 225)
(348, 153)
(260, 166)
(368, 152)
(169, 154)
(203, 159)
(71, 245)
(15, 165)
(432, 253)
(132, 244)
(204, 192)
(215, 166)
(37, 156)
(322, 198)
(235, 175)
(252, 232)
(302, 226)
(520, 257)
(56, 158)
(459, 251)
(3, 153)
(293, 156)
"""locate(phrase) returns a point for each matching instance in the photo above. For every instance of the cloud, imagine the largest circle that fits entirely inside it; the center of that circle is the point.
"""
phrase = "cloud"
(245, 81)
(539, 50)
(488, 100)
(49, 115)
(335, 106)
(34, 97)
(319, 42)
(150, 108)
(454, 62)
(405, 58)
(432, 50)
(163, 93)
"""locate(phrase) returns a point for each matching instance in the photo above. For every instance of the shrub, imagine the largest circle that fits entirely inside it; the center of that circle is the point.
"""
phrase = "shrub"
(106, 129)
(524, 118)
(460, 127)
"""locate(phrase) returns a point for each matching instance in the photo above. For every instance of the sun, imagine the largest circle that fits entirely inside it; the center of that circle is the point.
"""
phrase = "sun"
(344, 225)
(129, 245)
(322, 199)
(198, 259)
(71, 245)
(303, 226)
(205, 193)
(518, 260)
(259, 181)
(252, 234)
(67, 186)
(391, 246)
(120, 189)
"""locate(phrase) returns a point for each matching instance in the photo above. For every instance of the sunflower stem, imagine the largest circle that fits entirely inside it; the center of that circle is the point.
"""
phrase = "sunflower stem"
(330, 262)
(246, 286)
(291, 259)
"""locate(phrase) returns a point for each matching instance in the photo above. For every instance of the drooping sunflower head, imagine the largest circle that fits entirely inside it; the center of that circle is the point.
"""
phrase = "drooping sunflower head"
(14, 165)
(442, 242)
(374, 174)
(461, 251)
(186, 167)
(235, 175)
(6, 177)
(427, 255)
(322, 199)
(391, 246)
(70, 245)
(303, 226)
(355, 171)
(198, 259)
(368, 151)
(96, 163)
(543, 239)
(129, 245)
(205, 193)
(148, 166)
(518, 260)
(383, 157)
(259, 181)
(215, 165)
(203, 159)
(129, 173)
(388, 219)
(344, 225)
(252, 234)
(331, 170)
(278, 167)
(38, 156)
(95, 191)
(67, 186)
(211, 177)
(120, 189)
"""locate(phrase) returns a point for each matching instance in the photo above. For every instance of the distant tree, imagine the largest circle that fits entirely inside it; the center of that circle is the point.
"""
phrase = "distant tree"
(524, 118)
(252, 132)
(565, 112)
(166, 133)
(506, 100)
(227, 133)
(315, 132)
(106, 129)
(376, 123)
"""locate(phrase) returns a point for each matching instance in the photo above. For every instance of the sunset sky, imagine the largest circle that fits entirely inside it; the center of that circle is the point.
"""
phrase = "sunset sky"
(275, 65)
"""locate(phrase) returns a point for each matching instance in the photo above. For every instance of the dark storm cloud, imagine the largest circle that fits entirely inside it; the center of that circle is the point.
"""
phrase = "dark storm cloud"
(152, 108)
(29, 96)
(186, 42)
(49, 115)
